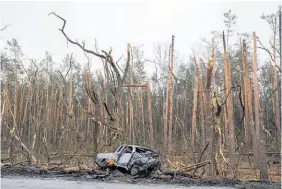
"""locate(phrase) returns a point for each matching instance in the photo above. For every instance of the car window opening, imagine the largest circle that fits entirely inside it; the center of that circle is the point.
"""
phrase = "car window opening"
(128, 149)
(140, 150)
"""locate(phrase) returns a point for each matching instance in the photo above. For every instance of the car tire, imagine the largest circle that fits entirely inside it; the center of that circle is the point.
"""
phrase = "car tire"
(134, 171)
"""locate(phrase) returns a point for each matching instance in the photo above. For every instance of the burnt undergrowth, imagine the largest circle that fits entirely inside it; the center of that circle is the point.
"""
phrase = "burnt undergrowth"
(91, 175)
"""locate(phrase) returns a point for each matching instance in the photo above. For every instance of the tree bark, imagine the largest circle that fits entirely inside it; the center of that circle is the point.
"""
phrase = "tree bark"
(256, 102)
(260, 154)
(165, 120)
(248, 97)
(151, 128)
(210, 133)
(12, 147)
(245, 101)
(170, 100)
(275, 87)
(202, 108)
(195, 106)
(131, 113)
(263, 155)
(200, 97)
(228, 95)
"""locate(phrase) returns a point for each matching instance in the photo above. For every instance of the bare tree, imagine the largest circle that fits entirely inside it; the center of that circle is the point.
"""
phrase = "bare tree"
(109, 59)
(231, 133)
(272, 21)
(170, 99)
(195, 106)
(260, 158)
(210, 133)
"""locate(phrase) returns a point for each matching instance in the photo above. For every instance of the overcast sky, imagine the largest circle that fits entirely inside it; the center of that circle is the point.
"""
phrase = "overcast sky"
(114, 24)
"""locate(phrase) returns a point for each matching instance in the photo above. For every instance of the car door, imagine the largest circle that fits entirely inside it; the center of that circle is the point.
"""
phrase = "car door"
(126, 155)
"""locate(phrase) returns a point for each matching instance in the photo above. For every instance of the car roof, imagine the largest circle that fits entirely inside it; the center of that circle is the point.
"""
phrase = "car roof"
(136, 146)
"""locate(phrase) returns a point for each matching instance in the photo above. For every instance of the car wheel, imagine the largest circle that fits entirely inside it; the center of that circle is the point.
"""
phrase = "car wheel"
(134, 171)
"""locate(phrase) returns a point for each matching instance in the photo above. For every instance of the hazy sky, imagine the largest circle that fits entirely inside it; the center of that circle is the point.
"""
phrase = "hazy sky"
(114, 24)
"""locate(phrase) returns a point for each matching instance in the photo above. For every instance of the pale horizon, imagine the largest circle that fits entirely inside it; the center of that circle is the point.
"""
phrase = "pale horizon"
(114, 24)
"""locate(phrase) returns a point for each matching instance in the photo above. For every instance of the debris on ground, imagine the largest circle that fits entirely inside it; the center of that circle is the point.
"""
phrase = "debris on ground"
(132, 164)
(74, 173)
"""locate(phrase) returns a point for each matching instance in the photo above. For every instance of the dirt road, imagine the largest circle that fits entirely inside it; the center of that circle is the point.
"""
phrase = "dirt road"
(35, 183)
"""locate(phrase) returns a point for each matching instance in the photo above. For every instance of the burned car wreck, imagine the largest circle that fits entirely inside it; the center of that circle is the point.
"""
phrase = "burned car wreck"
(135, 160)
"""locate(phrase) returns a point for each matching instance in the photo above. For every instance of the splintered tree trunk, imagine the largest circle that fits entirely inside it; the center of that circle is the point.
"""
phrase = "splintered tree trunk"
(202, 115)
(131, 124)
(194, 116)
(88, 83)
(38, 124)
(126, 123)
(131, 120)
(165, 119)
(256, 102)
(170, 100)
(20, 118)
(58, 119)
(243, 96)
(3, 115)
(69, 109)
(106, 76)
(201, 103)
(248, 96)
(96, 129)
(226, 133)
(275, 88)
(120, 121)
(151, 128)
(47, 127)
(102, 130)
(210, 135)
(245, 100)
(25, 115)
(216, 107)
(260, 159)
(263, 155)
(12, 147)
(228, 94)
(195, 106)
(166, 109)
(142, 115)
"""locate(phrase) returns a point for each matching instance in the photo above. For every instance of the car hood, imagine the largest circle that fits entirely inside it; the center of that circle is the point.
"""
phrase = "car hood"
(101, 156)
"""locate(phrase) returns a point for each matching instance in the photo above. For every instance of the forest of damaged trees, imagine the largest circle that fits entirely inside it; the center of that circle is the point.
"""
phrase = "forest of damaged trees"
(223, 103)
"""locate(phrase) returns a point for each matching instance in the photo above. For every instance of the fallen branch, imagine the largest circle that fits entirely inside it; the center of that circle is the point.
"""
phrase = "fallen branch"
(175, 165)
(179, 173)
(194, 166)
(203, 151)
(12, 131)
(200, 158)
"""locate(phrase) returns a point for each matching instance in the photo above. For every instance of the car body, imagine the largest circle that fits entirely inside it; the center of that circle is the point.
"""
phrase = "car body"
(132, 158)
